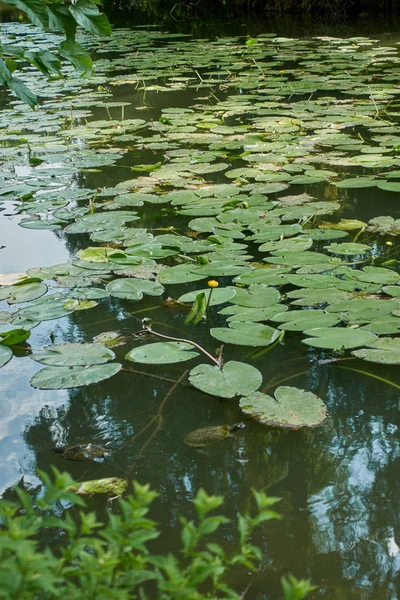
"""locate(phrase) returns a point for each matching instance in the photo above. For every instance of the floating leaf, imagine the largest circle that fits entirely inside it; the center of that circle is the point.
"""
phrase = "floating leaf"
(5, 355)
(62, 378)
(14, 336)
(235, 378)
(300, 320)
(384, 351)
(133, 289)
(218, 295)
(72, 354)
(292, 408)
(110, 339)
(338, 338)
(162, 353)
(348, 249)
(246, 334)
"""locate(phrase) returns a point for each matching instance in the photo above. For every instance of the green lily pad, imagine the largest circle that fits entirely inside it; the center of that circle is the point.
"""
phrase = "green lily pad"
(337, 338)
(384, 351)
(71, 354)
(63, 378)
(348, 249)
(133, 289)
(300, 320)
(257, 295)
(292, 408)
(5, 355)
(233, 379)
(219, 295)
(162, 353)
(179, 274)
(23, 292)
(14, 336)
(246, 334)
(111, 486)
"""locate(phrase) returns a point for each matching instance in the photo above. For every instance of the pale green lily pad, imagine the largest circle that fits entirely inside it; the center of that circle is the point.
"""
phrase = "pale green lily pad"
(179, 274)
(162, 353)
(300, 320)
(23, 292)
(338, 338)
(233, 379)
(72, 354)
(296, 244)
(292, 408)
(246, 313)
(384, 351)
(348, 249)
(218, 295)
(357, 182)
(5, 355)
(257, 295)
(111, 486)
(111, 339)
(133, 289)
(62, 378)
(246, 334)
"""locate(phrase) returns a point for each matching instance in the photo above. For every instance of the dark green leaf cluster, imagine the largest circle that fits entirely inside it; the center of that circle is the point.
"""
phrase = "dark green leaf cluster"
(111, 560)
(61, 17)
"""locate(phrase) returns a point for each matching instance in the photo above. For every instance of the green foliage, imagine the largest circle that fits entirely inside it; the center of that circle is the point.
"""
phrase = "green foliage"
(60, 17)
(111, 560)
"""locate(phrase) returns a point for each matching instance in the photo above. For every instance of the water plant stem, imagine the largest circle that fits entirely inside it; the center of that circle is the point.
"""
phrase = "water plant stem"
(371, 375)
(148, 329)
(157, 417)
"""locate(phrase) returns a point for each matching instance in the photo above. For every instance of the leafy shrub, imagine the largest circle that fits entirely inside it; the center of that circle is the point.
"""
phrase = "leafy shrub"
(112, 560)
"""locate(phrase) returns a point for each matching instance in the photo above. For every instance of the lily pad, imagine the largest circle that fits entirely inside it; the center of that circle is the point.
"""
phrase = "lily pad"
(338, 338)
(292, 408)
(246, 334)
(162, 353)
(71, 354)
(233, 379)
(133, 289)
(62, 378)
(219, 295)
(384, 351)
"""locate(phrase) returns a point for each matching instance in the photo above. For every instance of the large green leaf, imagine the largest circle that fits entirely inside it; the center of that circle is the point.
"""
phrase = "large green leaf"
(77, 55)
(300, 320)
(235, 378)
(292, 408)
(338, 338)
(218, 295)
(133, 289)
(62, 378)
(162, 353)
(385, 351)
(14, 336)
(71, 354)
(87, 15)
(246, 334)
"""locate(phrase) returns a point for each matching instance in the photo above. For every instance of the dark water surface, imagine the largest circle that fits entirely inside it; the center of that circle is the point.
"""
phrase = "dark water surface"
(339, 483)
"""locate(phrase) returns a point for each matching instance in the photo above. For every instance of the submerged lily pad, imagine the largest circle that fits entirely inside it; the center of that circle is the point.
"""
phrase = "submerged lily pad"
(292, 408)
(112, 486)
(233, 379)
(62, 378)
(162, 353)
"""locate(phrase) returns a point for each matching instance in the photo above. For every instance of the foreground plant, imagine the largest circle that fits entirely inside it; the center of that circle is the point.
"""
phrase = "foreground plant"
(112, 560)
(58, 16)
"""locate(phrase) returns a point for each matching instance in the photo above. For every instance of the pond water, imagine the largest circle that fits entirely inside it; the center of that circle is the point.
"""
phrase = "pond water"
(234, 150)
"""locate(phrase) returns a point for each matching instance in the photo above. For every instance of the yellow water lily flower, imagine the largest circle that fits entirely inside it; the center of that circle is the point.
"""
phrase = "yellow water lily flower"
(212, 283)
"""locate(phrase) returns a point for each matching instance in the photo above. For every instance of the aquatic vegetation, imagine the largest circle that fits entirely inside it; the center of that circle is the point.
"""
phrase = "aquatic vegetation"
(234, 189)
